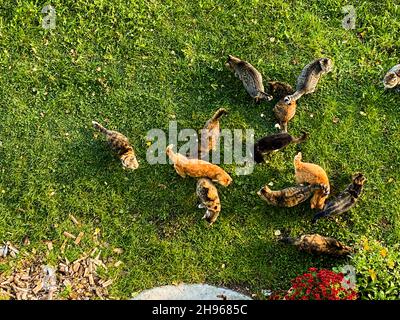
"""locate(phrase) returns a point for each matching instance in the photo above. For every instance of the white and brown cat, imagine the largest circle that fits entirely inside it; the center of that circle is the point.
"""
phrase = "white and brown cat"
(209, 199)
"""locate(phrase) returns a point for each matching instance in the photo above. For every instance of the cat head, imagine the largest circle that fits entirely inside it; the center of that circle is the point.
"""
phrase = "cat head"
(288, 100)
(211, 215)
(224, 179)
(390, 80)
(338, 248)
(231, 62)
(129, 161)
(326, 64)
(359, 179)
(264, 193)
(169, 150)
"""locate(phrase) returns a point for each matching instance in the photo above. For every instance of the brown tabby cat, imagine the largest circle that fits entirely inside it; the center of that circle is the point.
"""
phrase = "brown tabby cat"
(291, 196)
(317, 244)
(121, 145)
(274, 142)
(309, 78)
(392, 77)
(312, 174)
(210, 133)
(250, 76)
(197, 168)
(345, 200)
(283, 112)
(208, 195)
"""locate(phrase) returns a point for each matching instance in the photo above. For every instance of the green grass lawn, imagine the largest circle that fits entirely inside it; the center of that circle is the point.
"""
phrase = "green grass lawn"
(136, 65)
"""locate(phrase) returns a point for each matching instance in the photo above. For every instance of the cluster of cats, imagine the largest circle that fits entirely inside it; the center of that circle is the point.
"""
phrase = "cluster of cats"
(311, 179)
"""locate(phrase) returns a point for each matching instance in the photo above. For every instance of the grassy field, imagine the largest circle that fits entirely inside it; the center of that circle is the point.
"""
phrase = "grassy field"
(136, 65)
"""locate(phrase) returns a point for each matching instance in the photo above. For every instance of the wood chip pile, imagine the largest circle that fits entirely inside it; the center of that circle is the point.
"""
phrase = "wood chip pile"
(33, 279)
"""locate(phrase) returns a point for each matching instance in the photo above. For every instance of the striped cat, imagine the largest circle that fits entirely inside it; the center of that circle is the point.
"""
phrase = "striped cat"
(289, 197)
(121, 145)
(345, 200)
(309, 78)
(317, 244)
(250, 76)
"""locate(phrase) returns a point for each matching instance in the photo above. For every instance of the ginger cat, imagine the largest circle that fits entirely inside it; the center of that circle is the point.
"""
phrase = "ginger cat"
(309, 78)
(312, 174)
(317, 244)
(121, 145)
(208, 195)
(283, 112)
(345, 200)
(250, 76)
(197, 168)
(210, 133)
(289, 197)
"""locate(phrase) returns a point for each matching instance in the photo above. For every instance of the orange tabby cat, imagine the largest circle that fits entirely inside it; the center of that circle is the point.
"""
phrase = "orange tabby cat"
(210, 133)
(313, 174)
(197, 168)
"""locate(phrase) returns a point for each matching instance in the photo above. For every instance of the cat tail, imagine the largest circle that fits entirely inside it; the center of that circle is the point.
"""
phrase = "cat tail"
(218, 114)
(293, 97)
(320, 215)
(297, 159)
(302, 138)
(288, 240)
(99, 127)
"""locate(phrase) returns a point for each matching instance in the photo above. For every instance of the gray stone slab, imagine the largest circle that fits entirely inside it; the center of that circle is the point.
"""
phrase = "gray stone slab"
(190, 292)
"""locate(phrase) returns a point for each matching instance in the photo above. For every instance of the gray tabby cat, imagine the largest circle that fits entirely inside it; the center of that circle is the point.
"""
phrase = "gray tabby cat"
(392, 77)
(309, 77)
(250, 76)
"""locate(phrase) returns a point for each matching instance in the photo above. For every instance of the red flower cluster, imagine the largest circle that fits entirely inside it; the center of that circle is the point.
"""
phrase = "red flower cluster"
(320, 285)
